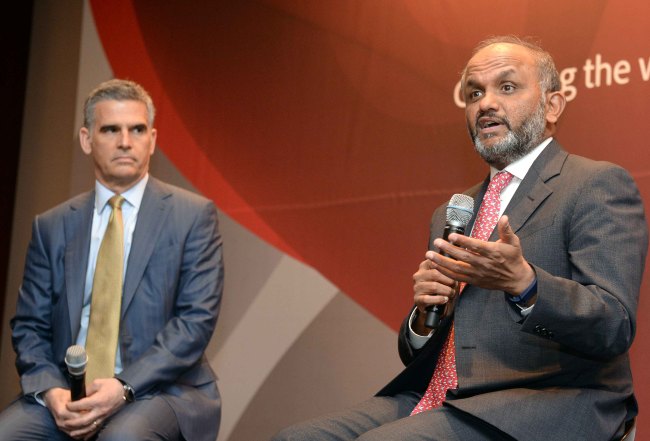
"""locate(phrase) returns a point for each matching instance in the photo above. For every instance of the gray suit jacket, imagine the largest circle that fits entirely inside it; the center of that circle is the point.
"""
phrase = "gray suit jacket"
(563, 372)
(171, 298)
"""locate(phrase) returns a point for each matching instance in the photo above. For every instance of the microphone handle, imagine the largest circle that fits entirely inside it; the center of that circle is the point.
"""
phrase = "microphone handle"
(434, 312)
(77, 387)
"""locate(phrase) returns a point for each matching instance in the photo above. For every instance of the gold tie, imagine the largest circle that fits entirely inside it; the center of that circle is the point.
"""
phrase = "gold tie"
(101, 343)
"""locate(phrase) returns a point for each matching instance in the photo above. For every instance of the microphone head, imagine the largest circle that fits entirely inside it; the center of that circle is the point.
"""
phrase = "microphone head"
(460, 210)
(76, 359)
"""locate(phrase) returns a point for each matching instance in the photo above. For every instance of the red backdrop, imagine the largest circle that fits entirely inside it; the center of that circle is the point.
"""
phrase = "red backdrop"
(330, 130)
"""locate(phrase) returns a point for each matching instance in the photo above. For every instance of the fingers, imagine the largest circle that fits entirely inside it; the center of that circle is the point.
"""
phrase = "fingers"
(432, 293)
(462, 247)
(431, 287)
(87, 418)
(90, 435)
(454, 262)
(491, 265)
(428, 272)
(468, 249)
(88, 414)
(506, 234)
(83, 405)
(86, 422)
(88, 431)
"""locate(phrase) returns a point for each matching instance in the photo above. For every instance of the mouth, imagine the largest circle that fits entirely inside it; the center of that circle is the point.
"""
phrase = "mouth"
(489, 125)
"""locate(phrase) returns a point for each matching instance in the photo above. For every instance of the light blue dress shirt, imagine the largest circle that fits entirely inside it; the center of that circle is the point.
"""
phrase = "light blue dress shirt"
(101, 215)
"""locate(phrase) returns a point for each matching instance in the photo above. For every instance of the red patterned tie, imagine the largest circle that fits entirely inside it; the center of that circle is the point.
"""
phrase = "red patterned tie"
(444, 375)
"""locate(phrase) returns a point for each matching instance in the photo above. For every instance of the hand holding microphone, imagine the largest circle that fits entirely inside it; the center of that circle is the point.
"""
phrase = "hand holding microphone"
(76, 359)
(459, 212)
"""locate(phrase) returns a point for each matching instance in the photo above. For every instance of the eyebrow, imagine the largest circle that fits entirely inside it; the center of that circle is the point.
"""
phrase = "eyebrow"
(117, 126)
(502, 76)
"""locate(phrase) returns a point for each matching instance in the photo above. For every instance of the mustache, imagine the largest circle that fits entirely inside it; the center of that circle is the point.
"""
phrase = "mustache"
(492, 115)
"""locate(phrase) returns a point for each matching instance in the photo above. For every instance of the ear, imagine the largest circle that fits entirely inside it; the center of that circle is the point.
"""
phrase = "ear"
(555, 106)
(84, 140)
(154, 135)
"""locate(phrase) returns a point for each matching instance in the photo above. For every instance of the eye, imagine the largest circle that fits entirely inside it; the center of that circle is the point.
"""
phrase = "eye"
(508, 88)
(139, 129)
(109, 129)
(474, 94)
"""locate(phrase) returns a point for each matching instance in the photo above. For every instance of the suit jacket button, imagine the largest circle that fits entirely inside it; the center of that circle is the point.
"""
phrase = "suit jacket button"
(541, 330)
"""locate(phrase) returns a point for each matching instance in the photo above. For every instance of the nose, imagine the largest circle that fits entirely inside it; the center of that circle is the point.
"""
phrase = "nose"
(125, 139)
(488, 102)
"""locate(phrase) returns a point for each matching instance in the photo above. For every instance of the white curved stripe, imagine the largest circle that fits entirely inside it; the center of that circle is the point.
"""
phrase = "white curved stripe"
(292, 297)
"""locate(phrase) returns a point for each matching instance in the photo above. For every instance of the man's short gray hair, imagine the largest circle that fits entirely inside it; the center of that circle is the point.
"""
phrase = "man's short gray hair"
(118, 90)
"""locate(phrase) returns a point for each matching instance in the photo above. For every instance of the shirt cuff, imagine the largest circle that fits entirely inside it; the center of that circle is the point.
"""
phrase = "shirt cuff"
(38, 396)
(524, 311)
(417, 340)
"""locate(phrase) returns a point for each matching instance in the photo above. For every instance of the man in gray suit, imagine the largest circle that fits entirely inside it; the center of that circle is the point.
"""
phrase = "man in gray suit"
(533, 344)
(163, 386)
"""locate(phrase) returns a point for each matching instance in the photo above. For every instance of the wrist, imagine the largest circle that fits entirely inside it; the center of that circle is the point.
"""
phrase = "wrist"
(128, 391)
(417, 323)
(527, 297)
(523, 280)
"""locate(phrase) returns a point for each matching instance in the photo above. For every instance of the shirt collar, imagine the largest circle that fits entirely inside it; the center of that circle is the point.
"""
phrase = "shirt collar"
(133, 195)
(520, 167)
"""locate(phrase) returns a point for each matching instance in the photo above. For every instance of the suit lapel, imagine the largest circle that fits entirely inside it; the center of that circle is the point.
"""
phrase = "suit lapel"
(533, 189)
(477, 192)
(151, 218)
(77, 225)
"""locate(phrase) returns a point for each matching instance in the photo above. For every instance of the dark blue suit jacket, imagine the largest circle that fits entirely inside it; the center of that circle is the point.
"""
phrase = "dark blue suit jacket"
(172, 292)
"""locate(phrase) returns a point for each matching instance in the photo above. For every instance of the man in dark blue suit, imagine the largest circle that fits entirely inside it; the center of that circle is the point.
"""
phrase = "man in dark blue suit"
(162, 386)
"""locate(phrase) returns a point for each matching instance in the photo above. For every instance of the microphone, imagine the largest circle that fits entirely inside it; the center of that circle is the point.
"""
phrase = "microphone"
(76, 359)
(459, 212)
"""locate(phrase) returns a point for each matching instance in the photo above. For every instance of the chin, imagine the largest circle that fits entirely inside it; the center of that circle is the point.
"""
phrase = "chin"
(491, 140)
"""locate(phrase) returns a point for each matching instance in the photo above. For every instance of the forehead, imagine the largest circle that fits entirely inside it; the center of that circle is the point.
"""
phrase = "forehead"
(499, 58)
(123, 111)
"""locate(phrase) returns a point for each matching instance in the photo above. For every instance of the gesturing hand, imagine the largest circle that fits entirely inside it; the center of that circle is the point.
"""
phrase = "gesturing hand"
(496, 265)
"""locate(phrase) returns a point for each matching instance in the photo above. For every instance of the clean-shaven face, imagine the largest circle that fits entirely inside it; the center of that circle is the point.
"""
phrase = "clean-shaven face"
(120, 143)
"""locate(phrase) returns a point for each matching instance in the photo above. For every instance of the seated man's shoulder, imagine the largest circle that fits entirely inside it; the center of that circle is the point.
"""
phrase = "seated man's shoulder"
(75, 203)
(181, 194)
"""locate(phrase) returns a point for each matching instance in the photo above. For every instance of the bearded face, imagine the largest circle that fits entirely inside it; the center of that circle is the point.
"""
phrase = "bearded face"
(506, 109)
(517, 141)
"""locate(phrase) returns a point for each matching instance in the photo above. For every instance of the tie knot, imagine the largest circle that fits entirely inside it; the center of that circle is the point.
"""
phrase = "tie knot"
(499, 182)
(116, 201)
